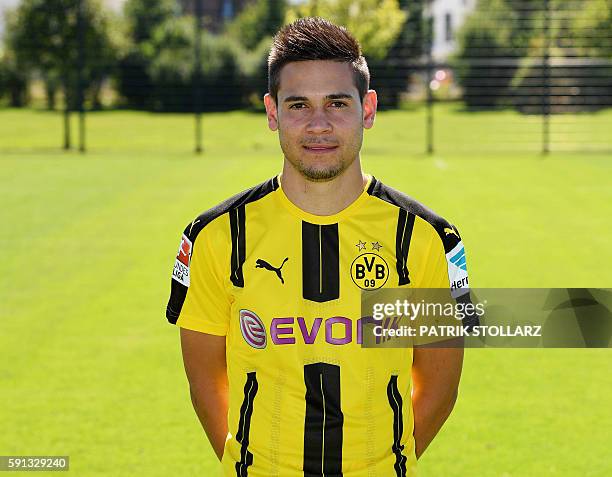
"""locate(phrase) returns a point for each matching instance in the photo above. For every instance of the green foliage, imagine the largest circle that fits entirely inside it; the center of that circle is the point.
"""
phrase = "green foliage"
(410, 41)
(490, 26)
(13, 81)
(144, 16)
(43, 34)
(502, 44)
(159, 69)
(490, 44)
(572, 32)
(255, 71)
(375, 23)
(257, 21)
(594, 19)
(172, 63)
(253, 30)
(172, 44)
(390, 75)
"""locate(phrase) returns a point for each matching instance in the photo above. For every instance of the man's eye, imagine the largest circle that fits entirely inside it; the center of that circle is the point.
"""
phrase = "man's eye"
(335, 104)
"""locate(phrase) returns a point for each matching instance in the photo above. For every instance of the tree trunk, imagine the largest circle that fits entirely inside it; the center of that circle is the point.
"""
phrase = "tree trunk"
(50, 90)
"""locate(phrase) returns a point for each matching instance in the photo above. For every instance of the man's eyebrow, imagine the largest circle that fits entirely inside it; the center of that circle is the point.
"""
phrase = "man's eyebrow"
(290, 99)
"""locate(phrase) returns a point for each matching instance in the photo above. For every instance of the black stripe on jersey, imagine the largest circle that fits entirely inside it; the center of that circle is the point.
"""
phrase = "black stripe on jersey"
(395, 401)
(405, 224)
(238, 231)
(320, 262)
(244, 425)
(178, 291)
(448, 233)
(323, 422)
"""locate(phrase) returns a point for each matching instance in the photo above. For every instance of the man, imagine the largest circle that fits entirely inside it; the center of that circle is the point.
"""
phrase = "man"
(266, 289)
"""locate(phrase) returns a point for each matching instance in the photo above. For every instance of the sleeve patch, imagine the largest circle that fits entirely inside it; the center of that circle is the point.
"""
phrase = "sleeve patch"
(180, 273)
(457, 270)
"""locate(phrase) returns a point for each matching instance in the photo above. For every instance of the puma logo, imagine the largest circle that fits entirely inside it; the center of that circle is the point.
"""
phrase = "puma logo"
(449, 231)
(263, 264)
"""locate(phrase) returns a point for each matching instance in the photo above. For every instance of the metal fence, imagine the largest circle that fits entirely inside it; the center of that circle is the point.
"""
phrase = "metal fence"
(533, 76)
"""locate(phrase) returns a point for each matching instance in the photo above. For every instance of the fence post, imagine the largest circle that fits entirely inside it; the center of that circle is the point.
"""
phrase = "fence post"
(197, 76)
(80, 69)
(66, 111)
(430, 66)
(546, 81)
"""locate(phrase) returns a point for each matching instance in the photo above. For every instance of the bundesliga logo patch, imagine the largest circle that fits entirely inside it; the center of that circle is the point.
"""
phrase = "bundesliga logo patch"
(253, 330)
(181, 265)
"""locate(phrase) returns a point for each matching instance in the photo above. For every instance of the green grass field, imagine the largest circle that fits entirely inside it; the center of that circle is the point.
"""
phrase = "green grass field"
(89, 368)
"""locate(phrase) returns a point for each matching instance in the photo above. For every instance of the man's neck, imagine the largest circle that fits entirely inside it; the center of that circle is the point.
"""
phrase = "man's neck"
(323, 198)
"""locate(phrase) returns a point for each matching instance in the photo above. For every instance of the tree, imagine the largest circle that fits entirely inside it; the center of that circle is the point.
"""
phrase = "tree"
(573, 31)
(13, 82)
(44, 37)
(173, 64)
(375, 23)
(391, 74)
(143, 17)
(410, 42)
(592, 29)
(253, 29)
(257, 21)
(491, 43)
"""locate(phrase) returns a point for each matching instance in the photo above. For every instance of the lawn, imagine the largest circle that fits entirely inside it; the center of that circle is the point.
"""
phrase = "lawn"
(90, 368)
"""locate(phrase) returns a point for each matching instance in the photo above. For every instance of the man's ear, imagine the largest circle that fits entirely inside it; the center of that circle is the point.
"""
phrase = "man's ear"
(271, 112)
(370, 101)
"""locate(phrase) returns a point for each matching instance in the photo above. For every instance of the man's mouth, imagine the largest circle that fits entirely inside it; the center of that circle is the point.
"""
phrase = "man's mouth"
(319, 148)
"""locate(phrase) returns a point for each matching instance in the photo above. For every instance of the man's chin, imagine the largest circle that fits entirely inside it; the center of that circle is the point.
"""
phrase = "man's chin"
(320, 174)
(323, 169)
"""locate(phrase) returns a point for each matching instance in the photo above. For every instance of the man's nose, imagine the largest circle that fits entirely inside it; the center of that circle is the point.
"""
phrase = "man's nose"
(318, 122)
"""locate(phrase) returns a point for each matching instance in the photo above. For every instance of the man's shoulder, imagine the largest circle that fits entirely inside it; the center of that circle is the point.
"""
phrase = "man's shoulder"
(412, 206)
(234, 203)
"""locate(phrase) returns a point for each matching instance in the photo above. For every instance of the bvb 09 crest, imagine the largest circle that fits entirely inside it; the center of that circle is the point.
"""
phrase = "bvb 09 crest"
(369, 271)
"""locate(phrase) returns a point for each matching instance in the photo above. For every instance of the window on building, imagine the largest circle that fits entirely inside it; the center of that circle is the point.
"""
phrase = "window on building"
(431, 32)
(448, 27)
(228, 9)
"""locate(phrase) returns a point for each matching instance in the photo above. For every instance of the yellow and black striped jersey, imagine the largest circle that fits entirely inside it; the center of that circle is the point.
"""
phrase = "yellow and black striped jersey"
(283, 286)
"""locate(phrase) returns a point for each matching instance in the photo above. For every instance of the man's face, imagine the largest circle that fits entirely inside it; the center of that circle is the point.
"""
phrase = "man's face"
(319, 117)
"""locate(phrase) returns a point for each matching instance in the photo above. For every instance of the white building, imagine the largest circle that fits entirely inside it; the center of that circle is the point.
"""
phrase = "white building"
(5, 5)
(448, 16)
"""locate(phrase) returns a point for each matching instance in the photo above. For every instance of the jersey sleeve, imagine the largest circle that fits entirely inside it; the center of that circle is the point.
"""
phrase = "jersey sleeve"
(449, 268)
(450, 262)
(199, 299)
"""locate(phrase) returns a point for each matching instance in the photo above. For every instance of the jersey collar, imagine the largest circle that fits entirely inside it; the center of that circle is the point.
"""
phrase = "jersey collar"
(322, 219)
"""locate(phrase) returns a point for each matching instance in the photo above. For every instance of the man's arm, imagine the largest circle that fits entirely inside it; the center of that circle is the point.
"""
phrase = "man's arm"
(204, 359)
(435, 377)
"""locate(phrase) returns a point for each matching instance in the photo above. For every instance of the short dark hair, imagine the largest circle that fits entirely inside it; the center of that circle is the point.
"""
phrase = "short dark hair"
(314, 38)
